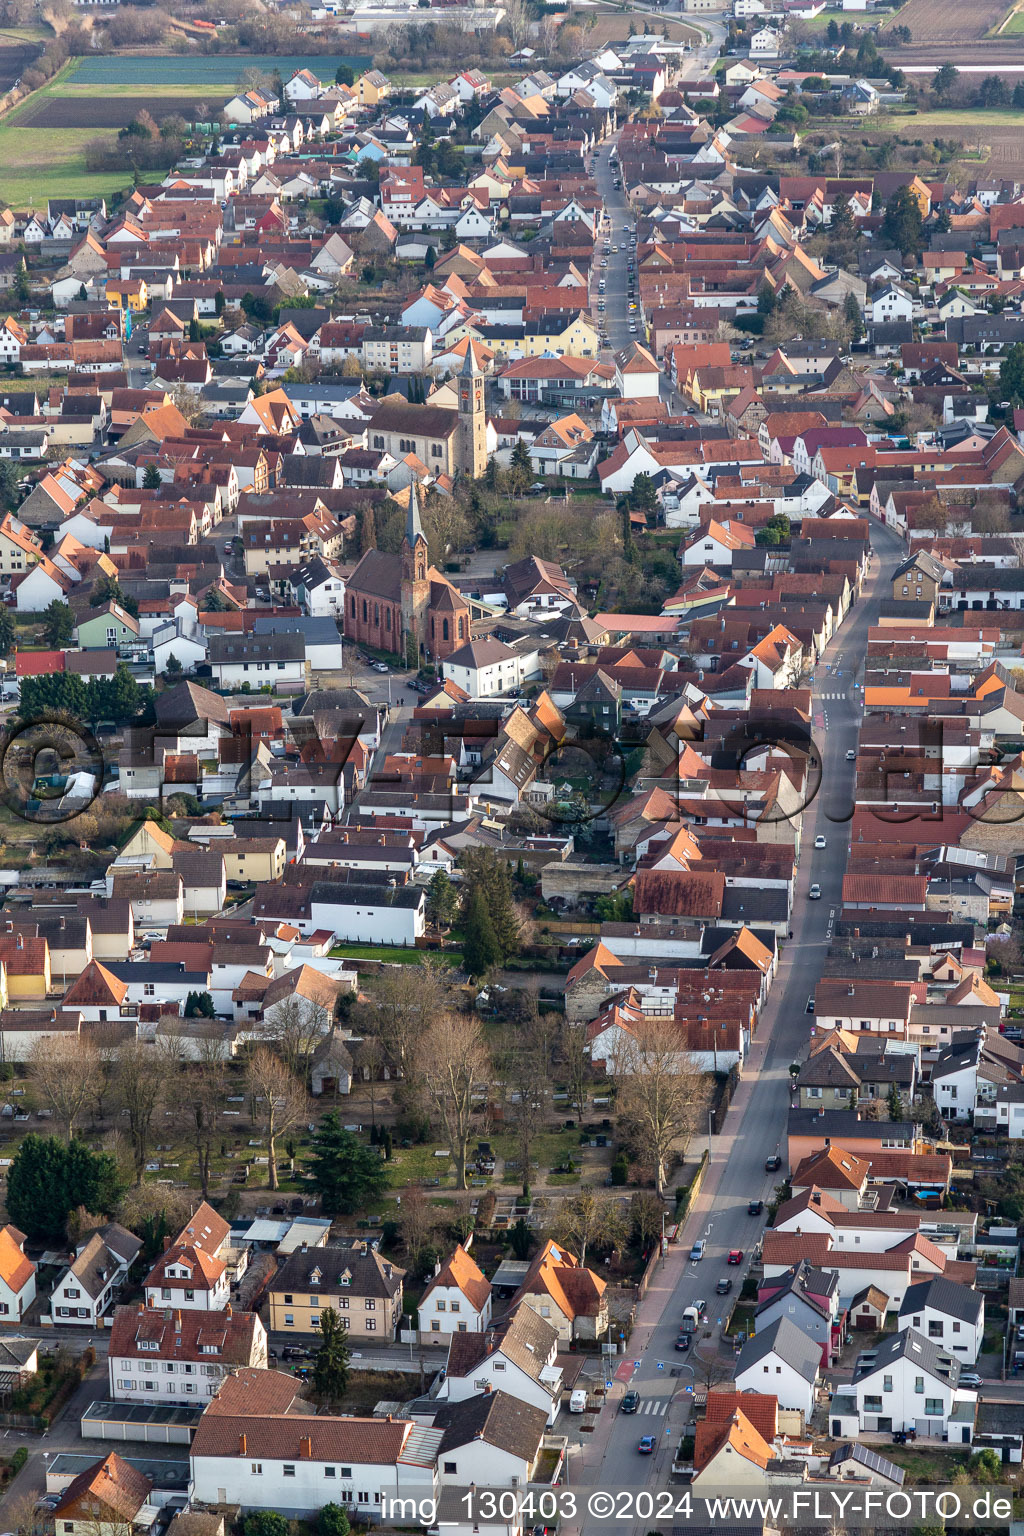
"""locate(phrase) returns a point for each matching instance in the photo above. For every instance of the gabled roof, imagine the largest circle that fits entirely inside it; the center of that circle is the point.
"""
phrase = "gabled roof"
(465, 1275)
(790, 1343)
(956, 1301)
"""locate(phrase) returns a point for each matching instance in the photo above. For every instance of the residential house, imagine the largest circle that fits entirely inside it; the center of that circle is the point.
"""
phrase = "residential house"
(361, 1286)
(171, 1355)
(17, 1276)
(88, 1288)
(457, 1300)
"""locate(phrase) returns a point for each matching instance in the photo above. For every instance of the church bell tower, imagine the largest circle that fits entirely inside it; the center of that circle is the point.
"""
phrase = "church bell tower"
(472, 417)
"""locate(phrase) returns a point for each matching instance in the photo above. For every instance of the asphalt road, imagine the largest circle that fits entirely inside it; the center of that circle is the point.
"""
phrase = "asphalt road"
(755, 1126)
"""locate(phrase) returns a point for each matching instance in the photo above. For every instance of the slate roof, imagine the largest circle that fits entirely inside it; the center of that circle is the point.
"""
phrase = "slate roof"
(790, 1343)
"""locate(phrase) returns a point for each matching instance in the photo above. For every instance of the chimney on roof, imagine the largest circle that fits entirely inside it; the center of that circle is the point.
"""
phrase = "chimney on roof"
(20, 944)
(241, 1444)
(305, 1448)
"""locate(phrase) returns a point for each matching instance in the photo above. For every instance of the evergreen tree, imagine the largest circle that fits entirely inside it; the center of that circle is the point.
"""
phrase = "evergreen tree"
(345, 1173)
(481, 951)
(58, 624)
(853, 316)
(151, 480)
(487, 875)
(442, 901)
(895, 1103)
(49, 1178)
(8, 632)
(331, 1362)
(903, 225)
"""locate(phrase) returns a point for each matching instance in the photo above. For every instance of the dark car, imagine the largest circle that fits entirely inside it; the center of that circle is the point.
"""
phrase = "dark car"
(631, 1402)
(723, 1287)
(684, 1341)
(293, 1352)
(755, 1207)
(772, 1164)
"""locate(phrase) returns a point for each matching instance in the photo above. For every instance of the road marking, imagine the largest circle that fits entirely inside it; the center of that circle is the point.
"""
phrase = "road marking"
(654, 1406)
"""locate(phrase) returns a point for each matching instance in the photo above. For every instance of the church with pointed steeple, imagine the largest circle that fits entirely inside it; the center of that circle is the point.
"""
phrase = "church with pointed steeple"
(401, 603)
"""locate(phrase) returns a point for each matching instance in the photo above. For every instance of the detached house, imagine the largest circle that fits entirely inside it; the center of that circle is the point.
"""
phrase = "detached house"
(17, 1276)
(572, 1299)
(166, 1355)
(89, 1286)
(907, 1382)
(365, 1289)
(518, 1358)
(781, 1360)
(457, 1300)
(948, 1314)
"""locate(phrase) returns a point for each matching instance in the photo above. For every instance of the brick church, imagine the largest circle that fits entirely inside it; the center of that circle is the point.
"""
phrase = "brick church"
(390, 598)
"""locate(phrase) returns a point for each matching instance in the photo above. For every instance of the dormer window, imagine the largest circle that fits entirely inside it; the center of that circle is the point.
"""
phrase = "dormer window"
(315, 1277)
(345, 1278)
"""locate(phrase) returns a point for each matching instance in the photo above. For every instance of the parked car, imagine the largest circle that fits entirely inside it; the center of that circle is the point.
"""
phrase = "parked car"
(814, 894)
(630, 1403)
(697, 1251)
(821, 841)
(735, 1256)
(684, 1341)
(851, 755)
(970, 1379)
(772, 1164)
(755, 1207)
(723, 1287)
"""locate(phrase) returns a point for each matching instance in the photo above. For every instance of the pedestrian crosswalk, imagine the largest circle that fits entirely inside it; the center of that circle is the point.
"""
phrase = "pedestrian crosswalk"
(835, 695)
(654, 1406)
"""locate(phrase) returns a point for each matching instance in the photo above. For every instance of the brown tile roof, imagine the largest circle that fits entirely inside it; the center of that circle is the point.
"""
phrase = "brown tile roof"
(834, 1168)
(95, 986)
(183, 1334)
(111, 1486)
(736, 1431)
(464, 1273)
(15, 1268)
(257, 1413)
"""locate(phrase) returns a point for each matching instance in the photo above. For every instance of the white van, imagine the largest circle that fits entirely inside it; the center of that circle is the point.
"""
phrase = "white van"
(578, 1401)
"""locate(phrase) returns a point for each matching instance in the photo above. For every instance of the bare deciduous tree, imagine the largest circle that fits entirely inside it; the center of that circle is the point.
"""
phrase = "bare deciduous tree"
(522, 1069)
(583, 1219)
(418, 1223)
(139, 1085)
(279, 1102)
(197, 1098)
(573, 1043)
(452, 1062)
(296, 1026)
(65, 1069)
(662, 1095)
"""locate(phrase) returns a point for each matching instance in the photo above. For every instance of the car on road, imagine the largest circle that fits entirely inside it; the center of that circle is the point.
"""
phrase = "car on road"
(380, 666)
(723, 1287)
(697, 1251)
(684, 1341)
(821, 841)
(646, 1446)
(772, 1164)
(630, 1403)
(809, 1006)
(814, 894)
(970, 1379)
(851, 755)
(293, 1352)
(735, 1256)
(755, 1207)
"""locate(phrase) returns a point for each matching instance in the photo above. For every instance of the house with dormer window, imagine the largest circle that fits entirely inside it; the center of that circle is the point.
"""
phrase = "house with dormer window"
(361, 1286)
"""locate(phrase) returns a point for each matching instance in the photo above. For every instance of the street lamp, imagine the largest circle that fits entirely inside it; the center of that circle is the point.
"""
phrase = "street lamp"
(709, 1133)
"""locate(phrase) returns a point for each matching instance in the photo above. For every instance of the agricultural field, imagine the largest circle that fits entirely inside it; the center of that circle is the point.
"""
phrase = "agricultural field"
(212, 73)
(611, 28)
(951, 21)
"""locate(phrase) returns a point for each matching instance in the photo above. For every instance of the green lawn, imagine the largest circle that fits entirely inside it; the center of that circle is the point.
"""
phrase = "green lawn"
(41, 165)
(390, 954)
(1013, 27)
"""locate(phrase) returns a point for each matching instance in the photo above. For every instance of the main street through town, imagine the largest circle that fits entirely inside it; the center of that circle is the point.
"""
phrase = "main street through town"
(756, 1122)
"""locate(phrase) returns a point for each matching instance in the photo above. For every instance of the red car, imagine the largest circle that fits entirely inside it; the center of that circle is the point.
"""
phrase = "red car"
(735, 1256)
